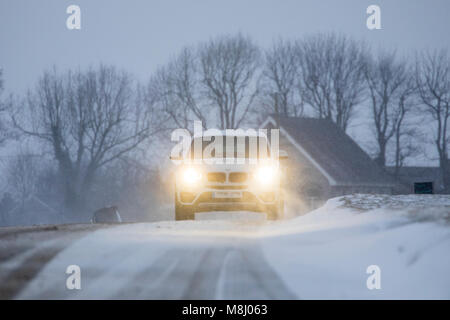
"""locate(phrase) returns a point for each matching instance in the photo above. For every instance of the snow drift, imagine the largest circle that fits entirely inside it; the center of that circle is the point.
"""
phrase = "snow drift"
(325, 254)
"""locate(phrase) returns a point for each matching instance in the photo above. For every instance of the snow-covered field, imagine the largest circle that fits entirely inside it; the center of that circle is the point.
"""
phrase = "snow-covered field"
(323, 254)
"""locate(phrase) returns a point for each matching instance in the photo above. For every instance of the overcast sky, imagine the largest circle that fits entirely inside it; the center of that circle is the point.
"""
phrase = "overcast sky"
(140, 35)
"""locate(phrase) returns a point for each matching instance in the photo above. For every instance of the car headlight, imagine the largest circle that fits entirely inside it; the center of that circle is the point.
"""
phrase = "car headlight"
(191, 176)
(266, 174)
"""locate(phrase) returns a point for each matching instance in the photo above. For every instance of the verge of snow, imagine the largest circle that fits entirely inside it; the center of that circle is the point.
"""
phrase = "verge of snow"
(325, 254)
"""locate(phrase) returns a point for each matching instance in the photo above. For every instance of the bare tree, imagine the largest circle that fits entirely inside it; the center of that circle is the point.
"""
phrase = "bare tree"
(280, 80)
(175, 88)
(4, 132)
(389, 86)
(89, 119)
(1, 81)
(228, 67)
(332, 72)
(406, 134)
(22, 175)
(131, 185)
(433, 82)
(216, 80)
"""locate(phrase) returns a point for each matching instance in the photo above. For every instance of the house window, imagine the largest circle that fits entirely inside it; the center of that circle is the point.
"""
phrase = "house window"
(423, 187)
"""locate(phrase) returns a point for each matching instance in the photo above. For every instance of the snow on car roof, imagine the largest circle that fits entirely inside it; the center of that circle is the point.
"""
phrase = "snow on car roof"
(233, 132)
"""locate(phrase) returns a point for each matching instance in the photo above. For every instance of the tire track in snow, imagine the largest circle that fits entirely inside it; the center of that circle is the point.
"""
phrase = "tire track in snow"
(247, 275)
(25, 251)
(225, 272)
(17, 279)
(120, 265)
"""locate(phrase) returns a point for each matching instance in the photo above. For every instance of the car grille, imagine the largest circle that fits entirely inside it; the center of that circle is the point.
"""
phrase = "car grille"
(228, 187)
(238, 177)
(216, 177)
(206, 197)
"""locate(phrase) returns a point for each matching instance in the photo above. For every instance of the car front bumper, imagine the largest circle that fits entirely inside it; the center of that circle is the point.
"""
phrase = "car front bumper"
(206, 200)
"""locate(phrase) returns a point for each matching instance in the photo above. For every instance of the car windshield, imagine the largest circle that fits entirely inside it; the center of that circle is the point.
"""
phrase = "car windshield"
(231, 147)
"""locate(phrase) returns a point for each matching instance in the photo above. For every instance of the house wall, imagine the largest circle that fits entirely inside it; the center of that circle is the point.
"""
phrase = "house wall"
(337, 191)
(406, 185)
(306, 187)
(408, 176)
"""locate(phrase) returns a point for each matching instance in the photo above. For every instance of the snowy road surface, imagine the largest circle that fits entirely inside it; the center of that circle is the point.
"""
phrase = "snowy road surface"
(324, 254)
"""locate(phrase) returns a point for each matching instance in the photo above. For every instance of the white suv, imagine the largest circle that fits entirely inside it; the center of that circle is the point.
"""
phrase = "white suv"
(240, 181)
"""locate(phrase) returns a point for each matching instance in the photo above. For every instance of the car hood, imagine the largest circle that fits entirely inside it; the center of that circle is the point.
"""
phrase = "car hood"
(228, 165)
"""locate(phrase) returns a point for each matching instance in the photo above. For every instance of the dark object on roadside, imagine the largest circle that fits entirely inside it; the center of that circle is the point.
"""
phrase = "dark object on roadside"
(423, 187)
(107, 215)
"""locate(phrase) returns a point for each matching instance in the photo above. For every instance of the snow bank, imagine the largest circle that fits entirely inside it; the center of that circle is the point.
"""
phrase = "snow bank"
(325, 254)
(418, 207)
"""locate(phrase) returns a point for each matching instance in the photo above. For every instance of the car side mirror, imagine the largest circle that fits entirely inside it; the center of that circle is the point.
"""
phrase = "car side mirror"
(282, 155)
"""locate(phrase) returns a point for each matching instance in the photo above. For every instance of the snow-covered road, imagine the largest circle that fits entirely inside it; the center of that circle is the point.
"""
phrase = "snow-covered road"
(168, 260)
(323, 254)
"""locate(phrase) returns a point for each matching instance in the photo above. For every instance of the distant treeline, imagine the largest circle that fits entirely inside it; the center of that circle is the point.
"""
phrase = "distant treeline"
(94, 126)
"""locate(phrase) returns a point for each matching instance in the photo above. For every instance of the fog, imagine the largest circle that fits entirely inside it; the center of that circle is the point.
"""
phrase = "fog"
(141, 35)
(86, 115)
